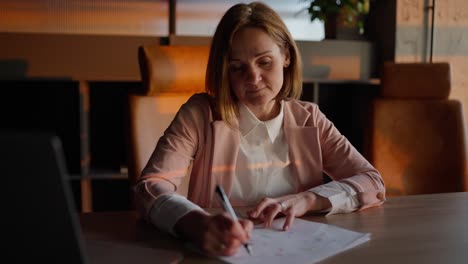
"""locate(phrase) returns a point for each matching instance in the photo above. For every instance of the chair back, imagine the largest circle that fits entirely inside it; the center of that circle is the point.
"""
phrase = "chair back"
(418, 137)
(173, 69)
(170, 75)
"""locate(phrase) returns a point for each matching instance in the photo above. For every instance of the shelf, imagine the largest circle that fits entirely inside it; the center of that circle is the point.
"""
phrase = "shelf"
(102, 175)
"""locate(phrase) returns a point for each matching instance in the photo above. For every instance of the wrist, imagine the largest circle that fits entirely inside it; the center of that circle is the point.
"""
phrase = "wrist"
(316, 202)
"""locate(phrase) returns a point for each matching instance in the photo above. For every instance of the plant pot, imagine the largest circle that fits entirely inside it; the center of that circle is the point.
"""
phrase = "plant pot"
(330, 25)
(336, 28)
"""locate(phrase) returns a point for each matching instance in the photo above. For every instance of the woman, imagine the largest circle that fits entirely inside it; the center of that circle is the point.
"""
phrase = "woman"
(250, 134)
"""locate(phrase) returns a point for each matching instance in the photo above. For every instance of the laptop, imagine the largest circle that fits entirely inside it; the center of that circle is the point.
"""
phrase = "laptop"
(42, 224)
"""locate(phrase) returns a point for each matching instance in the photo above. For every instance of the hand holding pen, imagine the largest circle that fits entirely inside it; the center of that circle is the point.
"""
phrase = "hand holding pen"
(228, 208)
(216, 235)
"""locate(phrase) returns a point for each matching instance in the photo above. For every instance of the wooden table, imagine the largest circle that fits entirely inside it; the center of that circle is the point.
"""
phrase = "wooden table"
(410, 229)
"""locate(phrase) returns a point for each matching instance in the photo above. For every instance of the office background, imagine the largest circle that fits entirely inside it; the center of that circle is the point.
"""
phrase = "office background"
(86, 50)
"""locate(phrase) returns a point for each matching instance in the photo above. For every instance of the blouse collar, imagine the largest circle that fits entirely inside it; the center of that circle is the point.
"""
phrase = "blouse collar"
(248, 122)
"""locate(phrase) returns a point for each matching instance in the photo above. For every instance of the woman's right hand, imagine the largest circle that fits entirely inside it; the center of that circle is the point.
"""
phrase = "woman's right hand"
(215, 235)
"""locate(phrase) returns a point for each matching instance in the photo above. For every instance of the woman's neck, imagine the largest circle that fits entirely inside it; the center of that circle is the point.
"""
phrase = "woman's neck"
(267, 111)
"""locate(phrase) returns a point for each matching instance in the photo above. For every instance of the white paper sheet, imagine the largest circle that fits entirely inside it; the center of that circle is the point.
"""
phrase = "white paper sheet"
(304, 242)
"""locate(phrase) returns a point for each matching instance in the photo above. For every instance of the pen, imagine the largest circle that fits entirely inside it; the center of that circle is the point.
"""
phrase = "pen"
(228, 208)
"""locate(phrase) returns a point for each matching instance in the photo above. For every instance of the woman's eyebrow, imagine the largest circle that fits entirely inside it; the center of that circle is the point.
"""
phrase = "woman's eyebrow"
(262, 53)
(255, 56)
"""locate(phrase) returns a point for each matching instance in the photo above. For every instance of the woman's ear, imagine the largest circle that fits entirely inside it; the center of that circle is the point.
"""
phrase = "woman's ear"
(287, 57)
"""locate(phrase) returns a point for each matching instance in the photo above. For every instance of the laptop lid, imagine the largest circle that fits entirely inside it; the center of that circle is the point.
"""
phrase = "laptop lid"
(42, 221)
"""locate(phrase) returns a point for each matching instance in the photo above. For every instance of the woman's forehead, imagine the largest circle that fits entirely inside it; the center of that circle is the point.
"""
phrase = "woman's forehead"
(252, 42)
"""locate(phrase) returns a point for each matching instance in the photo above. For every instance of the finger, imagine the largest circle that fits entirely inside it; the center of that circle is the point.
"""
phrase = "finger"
(282, 205)
(223, 245)
(232, 248)
(290, 215)
(218, 236)
(215, 229)
(233, 245)
(258, 210)
(248, 226)
(214, 248)
(270, 214)
(222, 249)
(257, 219)
(232, 233)
(212, 243)
(238, 229)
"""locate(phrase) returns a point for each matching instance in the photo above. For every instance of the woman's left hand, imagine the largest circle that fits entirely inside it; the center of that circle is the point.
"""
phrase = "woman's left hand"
(294, 205)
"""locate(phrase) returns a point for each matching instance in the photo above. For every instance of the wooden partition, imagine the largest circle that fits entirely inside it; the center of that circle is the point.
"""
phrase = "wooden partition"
(79, 57)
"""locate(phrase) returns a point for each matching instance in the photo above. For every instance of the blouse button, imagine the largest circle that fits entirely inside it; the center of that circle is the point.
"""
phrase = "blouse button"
(380, 195)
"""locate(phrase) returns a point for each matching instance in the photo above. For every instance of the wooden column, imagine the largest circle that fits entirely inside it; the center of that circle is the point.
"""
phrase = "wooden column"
(85, 184)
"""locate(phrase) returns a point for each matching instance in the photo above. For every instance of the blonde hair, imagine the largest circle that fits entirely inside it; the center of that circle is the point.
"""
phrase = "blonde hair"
(240, 16)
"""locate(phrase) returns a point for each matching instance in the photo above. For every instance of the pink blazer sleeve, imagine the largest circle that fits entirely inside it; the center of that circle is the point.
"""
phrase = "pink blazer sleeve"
(172, 156)
(342, 162)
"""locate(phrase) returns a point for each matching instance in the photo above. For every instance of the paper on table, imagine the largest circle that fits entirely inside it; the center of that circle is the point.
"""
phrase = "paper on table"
(304, 242)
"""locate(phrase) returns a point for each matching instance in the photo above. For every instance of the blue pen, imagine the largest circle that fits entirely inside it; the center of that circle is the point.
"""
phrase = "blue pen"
(228, 208)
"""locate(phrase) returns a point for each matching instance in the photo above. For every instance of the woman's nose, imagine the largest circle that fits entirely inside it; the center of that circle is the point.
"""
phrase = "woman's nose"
(253, 75)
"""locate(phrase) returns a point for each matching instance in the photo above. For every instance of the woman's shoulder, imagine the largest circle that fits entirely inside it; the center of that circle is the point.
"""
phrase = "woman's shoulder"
(198, 101)
(199, 98)
(298, 105)
(302, 113)
(198, 104)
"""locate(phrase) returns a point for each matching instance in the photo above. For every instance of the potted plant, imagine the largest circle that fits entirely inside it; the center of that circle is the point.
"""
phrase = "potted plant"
(335, 13)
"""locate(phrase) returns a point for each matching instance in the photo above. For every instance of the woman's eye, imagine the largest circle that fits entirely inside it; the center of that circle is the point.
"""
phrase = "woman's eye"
(265, 63)
(235, 68)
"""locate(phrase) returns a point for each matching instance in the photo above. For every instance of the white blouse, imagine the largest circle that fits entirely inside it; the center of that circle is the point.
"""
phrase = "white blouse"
(263, 166)
(262, 170)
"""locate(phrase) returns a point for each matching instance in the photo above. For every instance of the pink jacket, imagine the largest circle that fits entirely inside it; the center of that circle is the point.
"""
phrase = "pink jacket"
(315, 146)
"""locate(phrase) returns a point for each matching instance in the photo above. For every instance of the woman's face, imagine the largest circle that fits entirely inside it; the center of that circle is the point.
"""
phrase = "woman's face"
(256, 67)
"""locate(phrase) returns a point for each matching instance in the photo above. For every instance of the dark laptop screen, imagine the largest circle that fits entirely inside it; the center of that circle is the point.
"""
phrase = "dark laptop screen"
(42, 222)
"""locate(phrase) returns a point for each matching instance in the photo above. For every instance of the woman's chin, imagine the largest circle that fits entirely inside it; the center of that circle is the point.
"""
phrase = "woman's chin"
(259, 99)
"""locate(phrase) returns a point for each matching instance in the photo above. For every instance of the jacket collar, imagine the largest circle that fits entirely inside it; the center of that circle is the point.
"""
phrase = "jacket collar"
(300, 116)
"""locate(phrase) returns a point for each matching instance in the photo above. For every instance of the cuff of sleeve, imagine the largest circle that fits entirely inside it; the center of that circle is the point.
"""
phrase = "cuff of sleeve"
(342, 197)
(168, 209)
